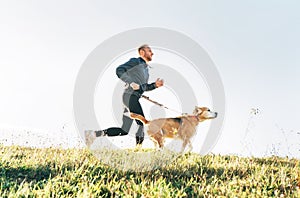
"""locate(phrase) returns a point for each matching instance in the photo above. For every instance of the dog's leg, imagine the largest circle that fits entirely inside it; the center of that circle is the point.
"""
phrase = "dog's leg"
(185, 142)
(154, 141)
(160, 139)
(161, 142)
(190, 146)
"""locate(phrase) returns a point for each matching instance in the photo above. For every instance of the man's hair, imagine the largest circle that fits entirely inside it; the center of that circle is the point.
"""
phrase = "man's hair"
(143, 47)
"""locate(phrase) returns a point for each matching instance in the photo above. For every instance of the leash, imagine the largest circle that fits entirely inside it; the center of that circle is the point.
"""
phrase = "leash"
(161, 105)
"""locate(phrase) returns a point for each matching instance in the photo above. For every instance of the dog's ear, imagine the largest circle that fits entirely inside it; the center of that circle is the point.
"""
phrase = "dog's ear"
(197, 110)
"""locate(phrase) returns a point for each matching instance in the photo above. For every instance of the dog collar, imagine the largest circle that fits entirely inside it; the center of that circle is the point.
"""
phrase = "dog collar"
(196, 117)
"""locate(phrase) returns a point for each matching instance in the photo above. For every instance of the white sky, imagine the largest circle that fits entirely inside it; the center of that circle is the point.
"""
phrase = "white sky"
(254, 44)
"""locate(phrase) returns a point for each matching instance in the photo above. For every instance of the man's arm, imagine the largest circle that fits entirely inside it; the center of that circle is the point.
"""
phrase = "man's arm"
(121, 71)
(148, 87)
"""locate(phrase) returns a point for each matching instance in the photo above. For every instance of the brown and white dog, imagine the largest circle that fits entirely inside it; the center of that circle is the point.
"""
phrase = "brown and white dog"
(183, 127)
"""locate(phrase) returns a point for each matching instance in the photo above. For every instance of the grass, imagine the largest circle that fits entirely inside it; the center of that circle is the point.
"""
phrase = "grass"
(51, 172)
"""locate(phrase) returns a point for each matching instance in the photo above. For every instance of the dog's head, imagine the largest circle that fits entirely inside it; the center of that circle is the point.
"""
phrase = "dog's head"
(204, 113)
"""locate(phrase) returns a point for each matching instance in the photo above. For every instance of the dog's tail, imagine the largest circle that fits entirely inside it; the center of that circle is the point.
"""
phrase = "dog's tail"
(139, 117)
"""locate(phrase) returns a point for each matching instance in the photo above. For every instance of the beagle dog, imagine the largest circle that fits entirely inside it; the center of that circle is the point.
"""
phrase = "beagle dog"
(183, 127)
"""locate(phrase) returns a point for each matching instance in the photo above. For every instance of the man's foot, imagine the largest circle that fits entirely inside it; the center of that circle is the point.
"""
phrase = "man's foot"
(138, 148)
(90, 137)
(100, 133)
(139, 140)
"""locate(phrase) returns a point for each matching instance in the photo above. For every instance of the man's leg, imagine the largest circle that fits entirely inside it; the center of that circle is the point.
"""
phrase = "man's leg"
(91, 135)
(140, 135)
(132, 102)
(135, 107)
(117, 131)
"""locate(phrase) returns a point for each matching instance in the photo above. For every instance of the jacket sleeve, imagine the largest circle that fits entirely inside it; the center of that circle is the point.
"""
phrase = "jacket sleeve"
(121, 70)
(147, 87)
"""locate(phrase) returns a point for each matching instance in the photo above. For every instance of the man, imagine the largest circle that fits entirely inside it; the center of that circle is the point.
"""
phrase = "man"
(135, 74)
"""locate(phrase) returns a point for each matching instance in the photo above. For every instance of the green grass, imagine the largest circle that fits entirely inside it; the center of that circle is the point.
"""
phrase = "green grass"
(51, 172)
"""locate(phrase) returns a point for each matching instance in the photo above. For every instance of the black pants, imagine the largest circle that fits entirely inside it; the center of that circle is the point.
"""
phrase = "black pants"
(131, 101)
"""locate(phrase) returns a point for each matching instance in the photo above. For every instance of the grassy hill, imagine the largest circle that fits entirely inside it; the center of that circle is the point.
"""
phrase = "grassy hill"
(27, 172)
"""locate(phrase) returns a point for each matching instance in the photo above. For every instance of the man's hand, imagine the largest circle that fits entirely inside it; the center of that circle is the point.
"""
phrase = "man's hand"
(159, 82)
(134, 86)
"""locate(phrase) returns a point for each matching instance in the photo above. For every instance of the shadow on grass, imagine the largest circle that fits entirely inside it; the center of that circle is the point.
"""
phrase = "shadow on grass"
(30, 174)
(39, 175)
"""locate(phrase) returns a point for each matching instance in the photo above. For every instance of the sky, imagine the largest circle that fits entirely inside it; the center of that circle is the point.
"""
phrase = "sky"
(254, 45)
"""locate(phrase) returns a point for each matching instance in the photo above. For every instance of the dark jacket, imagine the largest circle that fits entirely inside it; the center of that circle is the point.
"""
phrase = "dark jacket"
(135, 70)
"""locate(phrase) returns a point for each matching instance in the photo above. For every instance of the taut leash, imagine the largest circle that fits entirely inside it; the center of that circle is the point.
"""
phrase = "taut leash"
(161, 105)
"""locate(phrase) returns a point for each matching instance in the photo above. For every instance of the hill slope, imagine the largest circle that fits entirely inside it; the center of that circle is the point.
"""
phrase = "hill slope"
(77, 173)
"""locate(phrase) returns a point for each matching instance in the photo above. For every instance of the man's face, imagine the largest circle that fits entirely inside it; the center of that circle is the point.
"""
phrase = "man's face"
(147, 54)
